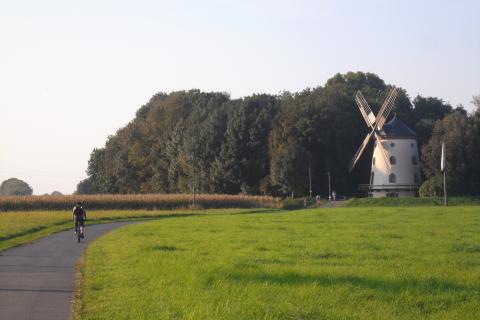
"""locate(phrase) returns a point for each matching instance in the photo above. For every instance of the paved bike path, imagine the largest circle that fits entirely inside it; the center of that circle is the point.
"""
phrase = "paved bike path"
(37, 280)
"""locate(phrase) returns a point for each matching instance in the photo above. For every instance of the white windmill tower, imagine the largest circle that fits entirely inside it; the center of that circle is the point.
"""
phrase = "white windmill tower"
(395, 164)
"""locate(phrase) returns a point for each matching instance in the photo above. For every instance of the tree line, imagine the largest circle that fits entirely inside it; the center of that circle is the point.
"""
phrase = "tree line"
(267, 144)
(15, 187)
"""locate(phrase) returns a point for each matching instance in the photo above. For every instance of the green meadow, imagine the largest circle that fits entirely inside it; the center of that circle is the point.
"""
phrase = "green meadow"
(18, 227)
(339, 263)
(411, 201)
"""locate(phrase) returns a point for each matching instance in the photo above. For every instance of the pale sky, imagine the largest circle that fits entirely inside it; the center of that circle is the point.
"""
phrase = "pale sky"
(74, 72)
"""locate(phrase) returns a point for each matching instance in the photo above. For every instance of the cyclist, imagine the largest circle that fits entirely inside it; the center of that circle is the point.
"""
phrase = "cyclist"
(79, 216)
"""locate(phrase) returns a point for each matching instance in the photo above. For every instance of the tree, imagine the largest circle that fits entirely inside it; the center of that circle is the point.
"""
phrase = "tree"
(461, 134)
(97, 181)
(243, 160)
(85, 187)
(476, 103)
(290, 170)
(296, 141)
(473, 149)
(453, 131)
(264, 143)
(426, 112)
(15, 187)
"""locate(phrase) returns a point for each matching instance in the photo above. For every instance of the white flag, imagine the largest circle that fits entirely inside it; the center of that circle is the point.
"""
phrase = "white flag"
(442, 161)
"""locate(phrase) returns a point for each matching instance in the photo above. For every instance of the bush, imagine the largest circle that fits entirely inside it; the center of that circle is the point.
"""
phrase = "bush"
(293, 204)
(15, 187)
(432, 187)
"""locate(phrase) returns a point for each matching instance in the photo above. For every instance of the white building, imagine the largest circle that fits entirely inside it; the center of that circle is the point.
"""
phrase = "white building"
(401, 175)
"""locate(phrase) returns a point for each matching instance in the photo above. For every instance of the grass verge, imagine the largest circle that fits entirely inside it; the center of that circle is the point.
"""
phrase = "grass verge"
(339, 263)
(79, 283)
(22, 227)
(411, 201)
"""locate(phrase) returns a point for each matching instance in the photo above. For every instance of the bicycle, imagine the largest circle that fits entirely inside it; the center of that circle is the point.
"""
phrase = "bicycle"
(79, 230)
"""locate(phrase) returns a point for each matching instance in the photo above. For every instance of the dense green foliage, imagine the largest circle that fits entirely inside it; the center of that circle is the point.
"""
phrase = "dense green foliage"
(15, 187)
(432, 187)
(461, 134)
(345, 263)
(258, 144)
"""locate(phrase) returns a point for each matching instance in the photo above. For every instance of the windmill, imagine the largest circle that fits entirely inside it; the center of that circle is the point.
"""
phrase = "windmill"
(395, 164)
(374, 122)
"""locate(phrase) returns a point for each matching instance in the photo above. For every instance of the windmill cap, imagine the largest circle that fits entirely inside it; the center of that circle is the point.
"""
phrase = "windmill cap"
(397, 128)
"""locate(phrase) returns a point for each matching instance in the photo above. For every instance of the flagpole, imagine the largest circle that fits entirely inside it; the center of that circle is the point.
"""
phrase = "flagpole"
(445, 201)
(442, 167)
(310, 180)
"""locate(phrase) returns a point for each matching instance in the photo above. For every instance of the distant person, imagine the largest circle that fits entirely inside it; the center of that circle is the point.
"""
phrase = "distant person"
(334, 195)
(79, 216)
(317, 198)
(304, 202)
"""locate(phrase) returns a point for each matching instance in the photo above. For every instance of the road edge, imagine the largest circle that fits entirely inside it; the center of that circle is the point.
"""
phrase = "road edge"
(76, 302)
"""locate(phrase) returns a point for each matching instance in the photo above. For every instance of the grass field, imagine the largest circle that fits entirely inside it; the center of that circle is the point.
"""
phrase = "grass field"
(21, 227)
(411, 201)
(341, 263)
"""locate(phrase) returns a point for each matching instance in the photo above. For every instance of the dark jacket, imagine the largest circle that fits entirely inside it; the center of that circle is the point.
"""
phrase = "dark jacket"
(79, 212)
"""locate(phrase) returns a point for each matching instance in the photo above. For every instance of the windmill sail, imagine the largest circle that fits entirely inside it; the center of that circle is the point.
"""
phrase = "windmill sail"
(382, 151)
(386, 108)
(365, 109)
(359, 152)
(375, 123)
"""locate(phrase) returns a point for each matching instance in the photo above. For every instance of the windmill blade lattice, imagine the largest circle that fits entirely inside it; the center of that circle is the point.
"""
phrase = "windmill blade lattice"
(386, 108)
(375, 123)
(359, 152)
(365, 109)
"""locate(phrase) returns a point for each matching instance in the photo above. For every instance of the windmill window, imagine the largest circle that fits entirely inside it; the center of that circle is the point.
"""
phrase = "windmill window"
(392, 144)
(393, 160)
(415, 178)
(412, 144)
(392, 178)
(414, 160)
(373, 161)
(372, 176)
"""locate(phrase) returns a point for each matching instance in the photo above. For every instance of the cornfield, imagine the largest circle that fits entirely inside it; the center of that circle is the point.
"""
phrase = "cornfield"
(133, 201)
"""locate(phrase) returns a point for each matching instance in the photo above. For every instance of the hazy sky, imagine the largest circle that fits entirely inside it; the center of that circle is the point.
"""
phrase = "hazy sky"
(73, 72)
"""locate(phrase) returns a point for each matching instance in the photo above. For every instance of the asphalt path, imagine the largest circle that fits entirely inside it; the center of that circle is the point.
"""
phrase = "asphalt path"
(37, 280)
(332, 204)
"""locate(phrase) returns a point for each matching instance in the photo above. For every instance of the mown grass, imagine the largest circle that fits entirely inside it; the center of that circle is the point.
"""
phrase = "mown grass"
(340, 263)
(411, 201)
(21, 227)
(134, 202)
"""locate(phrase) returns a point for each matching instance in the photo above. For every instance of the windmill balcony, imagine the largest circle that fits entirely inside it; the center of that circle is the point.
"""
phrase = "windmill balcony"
(390, 190)
(388, 187)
